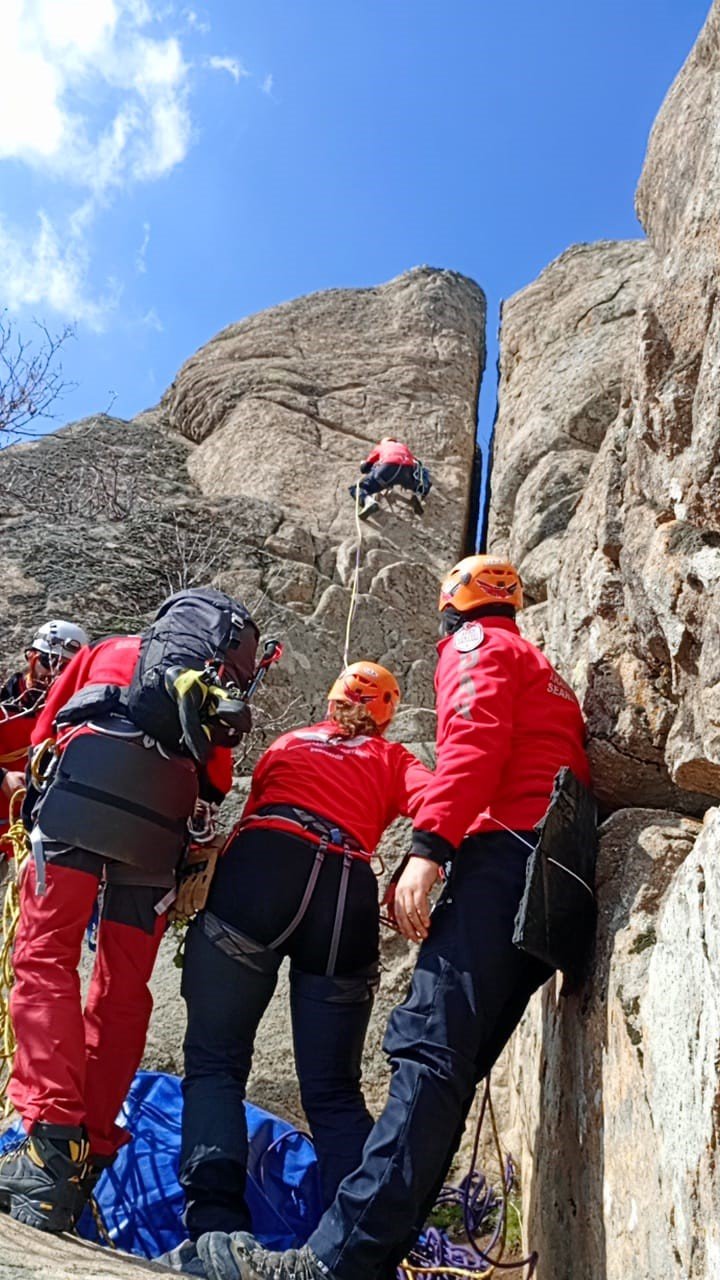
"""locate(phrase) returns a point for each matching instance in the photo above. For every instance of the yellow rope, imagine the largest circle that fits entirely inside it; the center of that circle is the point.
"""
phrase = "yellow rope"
(17, 836)
(434, 1270)
(99, 1221)
(356, 578)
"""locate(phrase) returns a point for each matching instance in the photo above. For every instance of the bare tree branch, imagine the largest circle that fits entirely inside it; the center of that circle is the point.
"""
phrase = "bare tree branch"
(31, 378)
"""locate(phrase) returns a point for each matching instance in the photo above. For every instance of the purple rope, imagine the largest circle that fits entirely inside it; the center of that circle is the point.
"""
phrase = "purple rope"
(478, 1200)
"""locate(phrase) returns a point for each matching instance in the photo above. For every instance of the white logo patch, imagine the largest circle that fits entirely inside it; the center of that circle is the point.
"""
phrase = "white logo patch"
(469, 637)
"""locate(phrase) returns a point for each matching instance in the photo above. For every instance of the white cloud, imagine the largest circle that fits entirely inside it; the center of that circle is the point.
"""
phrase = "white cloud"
(151, 320)
(195, 22)
(88, 95)
(95, 96)
(231, 65)
(267, 84)
(141, 255)
(43, 268)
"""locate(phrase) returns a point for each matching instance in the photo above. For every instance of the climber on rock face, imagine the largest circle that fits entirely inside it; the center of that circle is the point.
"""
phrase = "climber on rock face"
(296, 882)
(21, 698)
(507, 723)
(122, 800)
(389, 464)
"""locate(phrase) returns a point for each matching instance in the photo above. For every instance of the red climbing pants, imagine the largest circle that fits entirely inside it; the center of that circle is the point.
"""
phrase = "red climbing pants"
(75, 1067)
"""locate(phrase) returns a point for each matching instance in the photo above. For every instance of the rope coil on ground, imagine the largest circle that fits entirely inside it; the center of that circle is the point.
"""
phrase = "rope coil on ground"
(424, 1260)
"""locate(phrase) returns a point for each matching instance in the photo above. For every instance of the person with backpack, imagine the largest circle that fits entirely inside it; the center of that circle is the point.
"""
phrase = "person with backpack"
(137, 745)
(21, 700)
(295, 881)
(389, 464)
(507, 726)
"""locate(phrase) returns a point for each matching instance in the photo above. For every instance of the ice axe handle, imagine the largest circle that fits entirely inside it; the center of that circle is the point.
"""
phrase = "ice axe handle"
(272, 653)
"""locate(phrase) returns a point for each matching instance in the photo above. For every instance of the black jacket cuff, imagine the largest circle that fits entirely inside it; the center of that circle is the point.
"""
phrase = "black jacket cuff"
(427, 844)
(208, 792)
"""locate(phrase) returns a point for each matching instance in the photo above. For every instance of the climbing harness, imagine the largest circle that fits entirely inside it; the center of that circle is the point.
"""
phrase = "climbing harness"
(326, 838)
(295, 820)
(435, 1255)
(18, 838)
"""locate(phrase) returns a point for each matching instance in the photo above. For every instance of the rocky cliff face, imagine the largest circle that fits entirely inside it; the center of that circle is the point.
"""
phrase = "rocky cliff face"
(239, 477)
(614, 514)
(605, 489)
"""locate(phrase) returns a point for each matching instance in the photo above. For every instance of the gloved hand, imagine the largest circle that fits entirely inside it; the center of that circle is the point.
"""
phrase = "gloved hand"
(195, 877)
(365, 467)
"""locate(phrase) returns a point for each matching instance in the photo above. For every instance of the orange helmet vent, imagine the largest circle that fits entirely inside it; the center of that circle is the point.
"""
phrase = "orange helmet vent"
(479, 580)
(369, 685)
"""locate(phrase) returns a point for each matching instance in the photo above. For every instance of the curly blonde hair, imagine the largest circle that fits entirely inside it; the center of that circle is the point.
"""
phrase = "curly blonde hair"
(353, 720)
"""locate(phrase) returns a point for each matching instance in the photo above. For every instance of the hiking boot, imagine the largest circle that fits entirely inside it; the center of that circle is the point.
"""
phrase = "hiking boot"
(41, 1181)
(369, 507)
(240, 1257)
(417, 505)
(183, 1259)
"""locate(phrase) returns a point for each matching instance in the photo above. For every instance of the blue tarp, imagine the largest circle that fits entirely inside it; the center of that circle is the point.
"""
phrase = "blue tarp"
(140, 1197)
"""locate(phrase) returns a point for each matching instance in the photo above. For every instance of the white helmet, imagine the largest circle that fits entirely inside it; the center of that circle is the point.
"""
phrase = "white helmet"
(59, 639)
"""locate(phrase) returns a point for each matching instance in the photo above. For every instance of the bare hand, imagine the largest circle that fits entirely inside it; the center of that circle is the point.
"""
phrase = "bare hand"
(11, 783)
(410, 906)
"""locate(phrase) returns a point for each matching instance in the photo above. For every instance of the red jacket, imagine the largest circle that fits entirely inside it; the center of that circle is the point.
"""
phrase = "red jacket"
(113, 662)
(391, 451)
(18, 716)
(506, 723)
(362, 784)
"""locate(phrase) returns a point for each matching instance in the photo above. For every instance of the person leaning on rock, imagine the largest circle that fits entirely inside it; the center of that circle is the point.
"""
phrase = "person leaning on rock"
(507, 723)
(389, 464)
(295, 881)
(21, 699)
(113, 814)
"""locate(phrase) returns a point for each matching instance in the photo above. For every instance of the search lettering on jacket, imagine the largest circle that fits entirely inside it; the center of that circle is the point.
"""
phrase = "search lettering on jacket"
(469, 637)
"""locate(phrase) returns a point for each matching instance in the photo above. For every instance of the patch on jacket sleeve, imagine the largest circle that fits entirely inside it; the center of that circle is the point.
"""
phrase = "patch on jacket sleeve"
(558, 687)
(469, 637)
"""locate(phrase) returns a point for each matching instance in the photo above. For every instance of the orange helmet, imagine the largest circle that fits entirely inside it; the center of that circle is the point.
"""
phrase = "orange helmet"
(370, 686)
(479, 580)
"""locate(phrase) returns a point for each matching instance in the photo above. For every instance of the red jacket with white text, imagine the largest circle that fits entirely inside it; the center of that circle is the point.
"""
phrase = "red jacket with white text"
(506, 723)
(362, 784)
(113, 662)
(391, 451)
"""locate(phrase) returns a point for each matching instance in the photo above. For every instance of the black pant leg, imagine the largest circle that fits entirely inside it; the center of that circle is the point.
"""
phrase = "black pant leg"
(467, 978)
(225, 1002)
(330, 1019)
(383, 476)
(407, 479)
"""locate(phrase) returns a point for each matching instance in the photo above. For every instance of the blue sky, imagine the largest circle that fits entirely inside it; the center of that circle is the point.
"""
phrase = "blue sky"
(169, 167)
